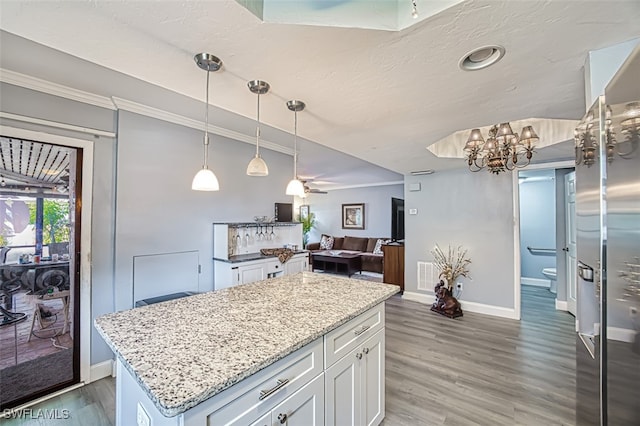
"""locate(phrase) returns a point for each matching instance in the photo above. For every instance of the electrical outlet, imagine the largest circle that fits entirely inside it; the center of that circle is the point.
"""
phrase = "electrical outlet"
(633, 311)
(459, 286)
(142, 417)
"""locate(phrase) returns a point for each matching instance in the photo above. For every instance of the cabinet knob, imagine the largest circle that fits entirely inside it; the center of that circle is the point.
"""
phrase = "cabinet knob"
(365, 350)
(282, 417)
(359, 355)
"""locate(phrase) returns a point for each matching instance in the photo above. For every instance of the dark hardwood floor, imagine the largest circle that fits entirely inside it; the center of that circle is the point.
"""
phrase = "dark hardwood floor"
(474, 370)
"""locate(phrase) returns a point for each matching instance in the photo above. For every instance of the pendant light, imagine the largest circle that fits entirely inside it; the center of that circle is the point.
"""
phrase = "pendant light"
(257, 166)
(295, 187)
(205, 179)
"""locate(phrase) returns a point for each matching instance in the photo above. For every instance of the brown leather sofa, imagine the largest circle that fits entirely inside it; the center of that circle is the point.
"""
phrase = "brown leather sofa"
(370, 262)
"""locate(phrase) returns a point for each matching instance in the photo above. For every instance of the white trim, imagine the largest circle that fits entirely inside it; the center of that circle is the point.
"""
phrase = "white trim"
(6, 413)
(85, 232)
(102, 369)
(517, 268)
(537, 282)
(365, 185)
(427, 299)
(181, 120)
(31, 120)
(496, 311)
(479, 308)
(621, 334)
(44, 86)
(562, 305)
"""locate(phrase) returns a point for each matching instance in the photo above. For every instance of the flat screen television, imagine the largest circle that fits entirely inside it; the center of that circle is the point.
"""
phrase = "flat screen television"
(283, 212)
(397, 219)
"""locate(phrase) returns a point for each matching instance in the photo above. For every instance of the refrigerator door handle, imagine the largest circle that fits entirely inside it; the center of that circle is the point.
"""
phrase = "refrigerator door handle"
(585, 272)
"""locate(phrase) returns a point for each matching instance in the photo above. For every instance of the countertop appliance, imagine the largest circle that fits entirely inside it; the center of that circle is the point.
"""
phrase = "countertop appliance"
(608, 251)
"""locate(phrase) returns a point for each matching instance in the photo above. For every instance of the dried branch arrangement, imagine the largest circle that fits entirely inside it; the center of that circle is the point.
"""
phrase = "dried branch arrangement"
(452, 265)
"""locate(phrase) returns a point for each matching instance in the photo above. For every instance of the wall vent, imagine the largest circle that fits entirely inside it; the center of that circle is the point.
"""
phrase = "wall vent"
(426, 279)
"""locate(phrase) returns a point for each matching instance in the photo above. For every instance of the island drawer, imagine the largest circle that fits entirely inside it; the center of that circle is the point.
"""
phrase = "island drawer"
(269, 387)
(344, 339)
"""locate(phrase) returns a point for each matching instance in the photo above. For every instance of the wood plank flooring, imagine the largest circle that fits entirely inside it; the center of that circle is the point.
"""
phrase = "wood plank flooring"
(474, 370)
(480, 370)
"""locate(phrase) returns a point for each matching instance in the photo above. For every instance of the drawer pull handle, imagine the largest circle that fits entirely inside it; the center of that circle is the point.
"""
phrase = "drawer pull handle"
(365, 350)
(282, 418)
(361, 330)
(278, 386)
(359, 355)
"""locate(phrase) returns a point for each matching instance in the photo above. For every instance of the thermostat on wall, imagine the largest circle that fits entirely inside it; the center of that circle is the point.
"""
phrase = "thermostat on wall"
(413, 211)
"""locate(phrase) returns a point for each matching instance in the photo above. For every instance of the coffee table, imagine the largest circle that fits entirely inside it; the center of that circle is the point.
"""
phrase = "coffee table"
(338, 261)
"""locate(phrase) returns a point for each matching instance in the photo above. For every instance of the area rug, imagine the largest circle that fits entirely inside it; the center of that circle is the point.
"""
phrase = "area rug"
(35, 375)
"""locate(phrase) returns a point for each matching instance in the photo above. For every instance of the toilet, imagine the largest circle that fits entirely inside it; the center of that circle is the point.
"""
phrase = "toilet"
(550, 273)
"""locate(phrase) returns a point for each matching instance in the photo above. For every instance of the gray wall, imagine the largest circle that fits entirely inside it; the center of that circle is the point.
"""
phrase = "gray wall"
(537, 224)
(17, 100)
(474, 210)
(157, 210)
(377, 200)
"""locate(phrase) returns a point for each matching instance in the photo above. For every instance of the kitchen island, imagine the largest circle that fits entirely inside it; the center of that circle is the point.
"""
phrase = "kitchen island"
(302, 349)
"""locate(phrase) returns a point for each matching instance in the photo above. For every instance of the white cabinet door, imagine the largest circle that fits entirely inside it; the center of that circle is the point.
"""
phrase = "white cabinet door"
(343, 391)
(251, 273)
(297, 264)
(303, 408)
(373, 379)
(263, 421)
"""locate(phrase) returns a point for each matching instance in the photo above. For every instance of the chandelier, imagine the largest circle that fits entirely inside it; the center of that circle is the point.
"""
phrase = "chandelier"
(503, 149)
(586, 142)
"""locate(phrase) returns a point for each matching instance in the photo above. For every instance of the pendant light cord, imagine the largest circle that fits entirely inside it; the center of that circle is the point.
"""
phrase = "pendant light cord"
(295, 145)
(258, 129)
(206, 126)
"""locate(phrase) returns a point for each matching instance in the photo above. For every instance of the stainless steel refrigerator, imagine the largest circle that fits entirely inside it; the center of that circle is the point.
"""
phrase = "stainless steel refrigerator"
(608, 252)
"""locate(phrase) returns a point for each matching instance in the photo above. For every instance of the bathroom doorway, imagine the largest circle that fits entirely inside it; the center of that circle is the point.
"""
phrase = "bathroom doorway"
(545, 216)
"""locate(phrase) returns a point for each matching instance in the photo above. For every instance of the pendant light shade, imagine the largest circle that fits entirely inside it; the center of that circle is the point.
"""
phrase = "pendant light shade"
(205, 179)
(257, 166)
(295, 187)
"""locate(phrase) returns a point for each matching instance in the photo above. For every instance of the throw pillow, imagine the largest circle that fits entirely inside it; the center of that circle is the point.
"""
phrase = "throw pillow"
(326, 243)
(378, 248)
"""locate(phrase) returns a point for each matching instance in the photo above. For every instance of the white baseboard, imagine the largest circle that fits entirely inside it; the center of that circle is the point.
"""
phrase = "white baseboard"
(478, 308)
(538, 282)
(562, 305)
(621, 334)
(101, 370)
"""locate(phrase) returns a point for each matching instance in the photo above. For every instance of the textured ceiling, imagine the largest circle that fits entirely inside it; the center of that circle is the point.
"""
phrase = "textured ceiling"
(382, 96)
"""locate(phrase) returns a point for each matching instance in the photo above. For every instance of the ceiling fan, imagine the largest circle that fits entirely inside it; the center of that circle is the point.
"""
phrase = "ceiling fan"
(308, 190)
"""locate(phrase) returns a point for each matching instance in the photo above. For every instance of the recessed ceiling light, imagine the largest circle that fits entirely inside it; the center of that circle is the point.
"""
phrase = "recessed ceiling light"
(481, 57)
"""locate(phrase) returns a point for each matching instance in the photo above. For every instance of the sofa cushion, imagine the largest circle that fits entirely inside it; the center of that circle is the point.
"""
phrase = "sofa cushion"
(355, 243)
(326, 242)
(378, 248)
(338, 243)
(371, 244)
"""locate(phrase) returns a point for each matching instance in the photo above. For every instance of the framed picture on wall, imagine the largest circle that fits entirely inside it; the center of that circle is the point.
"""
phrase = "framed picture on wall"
(304, 211)
(353, 216)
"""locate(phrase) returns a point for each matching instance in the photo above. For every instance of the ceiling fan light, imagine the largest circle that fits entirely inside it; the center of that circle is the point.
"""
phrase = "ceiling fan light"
(257, 167)
(205, 180)
(295, 187)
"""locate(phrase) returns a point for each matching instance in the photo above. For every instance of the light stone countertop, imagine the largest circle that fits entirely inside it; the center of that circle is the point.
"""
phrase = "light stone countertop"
(185, 351)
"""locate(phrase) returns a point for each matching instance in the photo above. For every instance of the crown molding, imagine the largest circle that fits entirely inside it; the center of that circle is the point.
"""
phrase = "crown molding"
(115, 103)
(127, 105)
(44, 86)
(363, 185)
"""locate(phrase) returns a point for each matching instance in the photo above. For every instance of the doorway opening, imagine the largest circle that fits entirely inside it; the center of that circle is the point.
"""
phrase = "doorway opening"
(546, 241)
(40, 228)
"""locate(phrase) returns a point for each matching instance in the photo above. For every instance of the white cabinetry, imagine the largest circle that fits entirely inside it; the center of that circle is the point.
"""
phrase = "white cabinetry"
(355, 385)
(297, 263)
